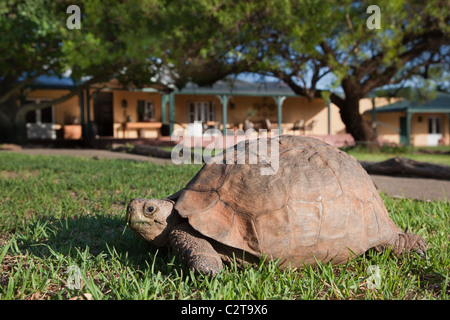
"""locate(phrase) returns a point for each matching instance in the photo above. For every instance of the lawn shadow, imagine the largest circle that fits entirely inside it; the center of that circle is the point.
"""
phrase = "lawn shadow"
(99, 234)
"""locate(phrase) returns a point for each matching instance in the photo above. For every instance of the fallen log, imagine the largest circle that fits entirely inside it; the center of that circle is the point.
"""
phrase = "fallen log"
(151, 151)
(407, 168)
(428, 151)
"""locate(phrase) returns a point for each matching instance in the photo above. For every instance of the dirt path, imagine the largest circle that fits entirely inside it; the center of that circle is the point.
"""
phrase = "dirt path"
(91, 153)
(423, 189)
(416, 188)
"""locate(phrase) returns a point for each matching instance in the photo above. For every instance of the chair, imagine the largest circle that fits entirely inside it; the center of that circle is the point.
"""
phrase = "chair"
(267, 124)
(310, 125)
(299, 125)
(248, 125)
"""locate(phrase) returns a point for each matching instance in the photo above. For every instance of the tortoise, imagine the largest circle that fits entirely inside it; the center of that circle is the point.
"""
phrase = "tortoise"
(319, 205)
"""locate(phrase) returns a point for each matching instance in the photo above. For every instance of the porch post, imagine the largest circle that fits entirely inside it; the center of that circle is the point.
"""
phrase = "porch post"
(88, 104)
(171, 111)
(408, 127)
(164, 99)
(280, 100)
(374, 117)
(329, 115)
(81, 101)
(224, 100)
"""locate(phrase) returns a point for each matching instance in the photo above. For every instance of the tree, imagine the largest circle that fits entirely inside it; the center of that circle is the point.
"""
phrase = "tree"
(306, 43)
(36, 41)
(166, 43)
(143, 43)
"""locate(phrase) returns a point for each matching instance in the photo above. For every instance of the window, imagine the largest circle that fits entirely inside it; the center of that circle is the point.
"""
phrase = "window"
(46, 115)
(202, 111)
(434, 125)
(146, 110)
(40, 123)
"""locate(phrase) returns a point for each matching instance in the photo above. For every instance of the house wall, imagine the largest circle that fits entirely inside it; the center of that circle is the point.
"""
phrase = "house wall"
(388, 125)
(64, 112)
(419, 128)
(121, 114)
(366, 103)
(294, 109)
(388, 121)
(181, 106)
(298, 108)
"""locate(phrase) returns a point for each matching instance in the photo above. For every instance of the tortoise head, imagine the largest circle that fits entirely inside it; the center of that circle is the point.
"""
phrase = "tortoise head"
(152, 219)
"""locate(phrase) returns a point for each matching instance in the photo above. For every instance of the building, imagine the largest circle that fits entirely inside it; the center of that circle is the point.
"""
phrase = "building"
(114, 112)
(109, 111)
(419, 124)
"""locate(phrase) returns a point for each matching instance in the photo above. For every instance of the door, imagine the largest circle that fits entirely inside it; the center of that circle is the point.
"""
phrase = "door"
(199, 114)
(434, 130)
(103, 113)
(202, 111)
(403, 131)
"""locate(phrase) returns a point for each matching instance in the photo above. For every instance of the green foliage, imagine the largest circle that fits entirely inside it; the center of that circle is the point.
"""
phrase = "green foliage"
(29, 36)
(38, 41)
(334, 36)
(260, 36)
(311, 45)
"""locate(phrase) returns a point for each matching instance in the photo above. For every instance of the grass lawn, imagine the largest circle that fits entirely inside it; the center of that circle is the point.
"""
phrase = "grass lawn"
(383, 154)
(60, 214)
(391, 152)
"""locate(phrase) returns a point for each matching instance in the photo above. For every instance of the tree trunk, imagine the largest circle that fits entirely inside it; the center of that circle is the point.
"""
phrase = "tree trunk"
(6, 128)
(360, 129)
(12, 129)
(407, 168)
(20, 130)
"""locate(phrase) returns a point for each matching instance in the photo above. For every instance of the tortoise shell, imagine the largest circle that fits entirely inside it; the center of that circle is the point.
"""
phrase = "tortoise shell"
(319, 204)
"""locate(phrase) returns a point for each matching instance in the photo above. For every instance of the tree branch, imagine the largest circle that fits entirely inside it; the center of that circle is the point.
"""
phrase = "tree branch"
(8, 94)
(35, 106)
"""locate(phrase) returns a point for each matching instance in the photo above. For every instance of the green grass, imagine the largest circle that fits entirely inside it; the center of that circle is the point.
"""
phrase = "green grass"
(385, 153)
(61, 212)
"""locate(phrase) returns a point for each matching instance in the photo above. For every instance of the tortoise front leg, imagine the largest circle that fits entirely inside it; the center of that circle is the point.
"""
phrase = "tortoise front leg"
(194, 250)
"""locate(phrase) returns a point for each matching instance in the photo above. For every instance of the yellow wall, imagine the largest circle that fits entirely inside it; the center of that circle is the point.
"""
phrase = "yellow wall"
(64, 112)
(366, 103)
(120, 114)
(390, 119)
(298, 108)
(132, 102)
(388, 123)
(294, 109)
(181, 106)
(419, 127)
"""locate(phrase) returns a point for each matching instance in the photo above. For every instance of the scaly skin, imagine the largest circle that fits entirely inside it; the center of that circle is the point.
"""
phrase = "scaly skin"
(405, 242)
(196, 252)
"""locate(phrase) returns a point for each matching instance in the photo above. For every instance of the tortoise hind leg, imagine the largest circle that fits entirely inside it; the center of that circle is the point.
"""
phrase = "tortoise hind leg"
(404, 242)
(194, 250)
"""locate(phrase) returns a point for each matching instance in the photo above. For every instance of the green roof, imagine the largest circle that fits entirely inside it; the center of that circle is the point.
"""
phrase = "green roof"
(441, 104)
(239, 87)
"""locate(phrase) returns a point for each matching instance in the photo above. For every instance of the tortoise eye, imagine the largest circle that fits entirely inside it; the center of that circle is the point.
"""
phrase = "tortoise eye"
(150, 210)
